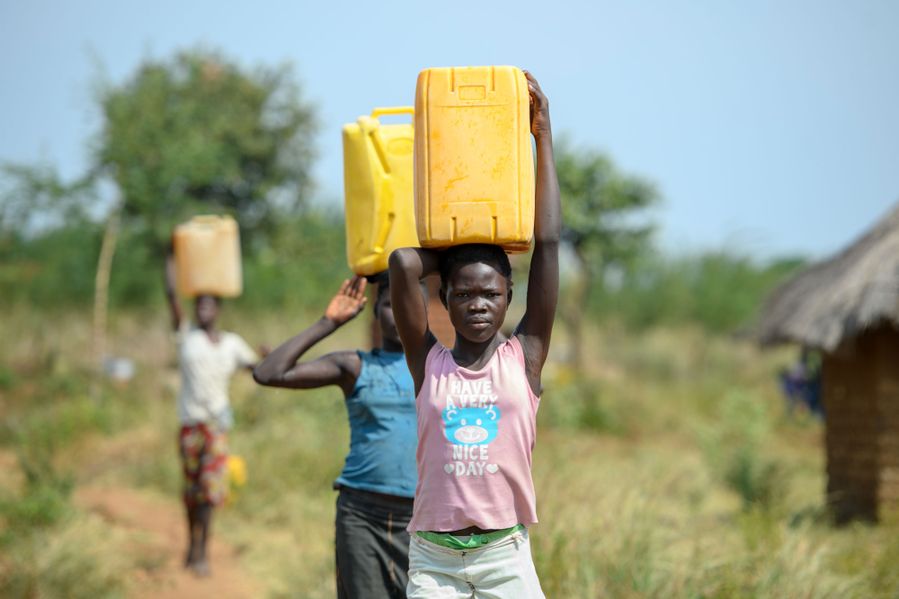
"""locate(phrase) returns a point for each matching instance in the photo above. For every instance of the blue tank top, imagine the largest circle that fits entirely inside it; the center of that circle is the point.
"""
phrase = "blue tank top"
(383, 427)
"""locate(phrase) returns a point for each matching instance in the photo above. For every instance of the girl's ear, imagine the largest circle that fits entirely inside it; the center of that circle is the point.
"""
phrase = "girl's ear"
(442, 294)
(509, 296)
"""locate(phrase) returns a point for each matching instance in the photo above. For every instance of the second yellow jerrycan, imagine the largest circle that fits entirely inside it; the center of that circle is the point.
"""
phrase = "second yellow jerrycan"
(377, 177)
(474, 165)
(207, 256)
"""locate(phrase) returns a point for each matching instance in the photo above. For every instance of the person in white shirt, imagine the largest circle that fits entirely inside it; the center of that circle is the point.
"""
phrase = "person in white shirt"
(207, 358)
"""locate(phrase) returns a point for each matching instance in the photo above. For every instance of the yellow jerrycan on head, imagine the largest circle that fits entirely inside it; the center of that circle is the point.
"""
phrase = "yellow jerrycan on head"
(474, 164)
(377, 178)
(207, 257)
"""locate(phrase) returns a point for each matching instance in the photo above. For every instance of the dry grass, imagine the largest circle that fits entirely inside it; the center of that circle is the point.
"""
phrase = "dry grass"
(670, 472)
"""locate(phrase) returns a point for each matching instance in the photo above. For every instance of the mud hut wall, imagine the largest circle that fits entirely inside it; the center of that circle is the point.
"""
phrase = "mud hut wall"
(888, 407)
(850, 402)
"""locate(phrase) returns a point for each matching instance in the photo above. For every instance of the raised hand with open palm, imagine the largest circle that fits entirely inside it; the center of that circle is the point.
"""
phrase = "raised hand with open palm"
(348, 302)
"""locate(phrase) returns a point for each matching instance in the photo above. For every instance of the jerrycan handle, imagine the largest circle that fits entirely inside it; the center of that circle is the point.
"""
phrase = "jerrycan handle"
(208, 218)
(385, 110)
(375, 135)
(210, 222)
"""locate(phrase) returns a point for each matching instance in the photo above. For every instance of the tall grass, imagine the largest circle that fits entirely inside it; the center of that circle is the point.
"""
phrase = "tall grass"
(48, 548)
(670, 470)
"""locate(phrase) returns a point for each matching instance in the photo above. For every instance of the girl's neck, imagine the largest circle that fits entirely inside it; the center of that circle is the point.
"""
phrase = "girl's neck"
(473, 354)
(211, 332)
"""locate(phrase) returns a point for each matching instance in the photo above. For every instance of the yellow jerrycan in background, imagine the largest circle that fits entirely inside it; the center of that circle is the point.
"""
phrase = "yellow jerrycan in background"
(474, 164)
(207, 257)
(377, 179)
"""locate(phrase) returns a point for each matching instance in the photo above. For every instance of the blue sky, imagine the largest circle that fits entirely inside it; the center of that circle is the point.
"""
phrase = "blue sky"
(769, 127)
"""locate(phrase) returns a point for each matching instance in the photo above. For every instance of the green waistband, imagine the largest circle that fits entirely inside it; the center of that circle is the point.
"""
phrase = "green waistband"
(445, 539)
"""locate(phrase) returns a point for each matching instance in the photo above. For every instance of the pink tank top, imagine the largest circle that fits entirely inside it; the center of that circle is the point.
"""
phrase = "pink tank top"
(476, 432)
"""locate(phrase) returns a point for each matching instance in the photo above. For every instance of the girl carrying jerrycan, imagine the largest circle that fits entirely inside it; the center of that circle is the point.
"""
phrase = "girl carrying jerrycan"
(377, 484)
(477, 402)
(207, 359)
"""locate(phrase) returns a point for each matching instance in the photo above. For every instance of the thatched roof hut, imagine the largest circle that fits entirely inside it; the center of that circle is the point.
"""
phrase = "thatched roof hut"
(848, 307)
(837, 299)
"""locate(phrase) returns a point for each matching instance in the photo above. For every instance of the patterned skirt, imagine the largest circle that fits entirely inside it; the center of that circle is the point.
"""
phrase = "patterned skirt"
(204, 458)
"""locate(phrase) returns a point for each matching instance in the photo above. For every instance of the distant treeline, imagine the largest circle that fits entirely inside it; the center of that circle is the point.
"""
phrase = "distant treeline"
(719, 290)
(297, 266)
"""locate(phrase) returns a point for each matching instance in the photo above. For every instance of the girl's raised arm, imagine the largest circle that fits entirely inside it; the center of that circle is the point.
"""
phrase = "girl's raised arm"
(535, 329)
(408, 266)
(281, 368)
(171, 295)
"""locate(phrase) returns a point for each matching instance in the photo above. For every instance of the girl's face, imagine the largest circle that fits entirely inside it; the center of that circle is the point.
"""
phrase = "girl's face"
(386, 320)
(207, 310)
(477, 298)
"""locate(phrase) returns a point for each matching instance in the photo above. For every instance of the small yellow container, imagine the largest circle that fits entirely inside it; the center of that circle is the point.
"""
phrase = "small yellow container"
(377, 178)
(474, 164)
(207, 257)
(237, 477)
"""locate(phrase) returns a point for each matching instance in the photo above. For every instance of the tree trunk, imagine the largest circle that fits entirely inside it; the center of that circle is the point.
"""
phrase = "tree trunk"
(101, 288)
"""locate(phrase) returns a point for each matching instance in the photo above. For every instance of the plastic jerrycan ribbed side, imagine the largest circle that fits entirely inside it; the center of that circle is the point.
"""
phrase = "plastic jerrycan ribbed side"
(377, 178)
(207, 256)
(474, 165)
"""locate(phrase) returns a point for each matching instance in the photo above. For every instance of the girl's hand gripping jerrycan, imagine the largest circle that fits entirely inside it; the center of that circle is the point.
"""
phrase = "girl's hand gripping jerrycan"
(474, 164)
(377, 176)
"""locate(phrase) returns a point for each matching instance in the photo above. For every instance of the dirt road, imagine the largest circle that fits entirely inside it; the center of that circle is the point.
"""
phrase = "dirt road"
(156, 525)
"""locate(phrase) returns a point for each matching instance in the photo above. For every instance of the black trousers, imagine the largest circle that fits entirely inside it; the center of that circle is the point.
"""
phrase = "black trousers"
(372, 545)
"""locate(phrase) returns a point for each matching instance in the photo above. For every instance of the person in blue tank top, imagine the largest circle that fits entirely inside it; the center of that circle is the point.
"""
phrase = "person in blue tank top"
(377, 484)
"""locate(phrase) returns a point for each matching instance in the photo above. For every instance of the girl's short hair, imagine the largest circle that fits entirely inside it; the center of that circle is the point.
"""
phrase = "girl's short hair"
(461, 255)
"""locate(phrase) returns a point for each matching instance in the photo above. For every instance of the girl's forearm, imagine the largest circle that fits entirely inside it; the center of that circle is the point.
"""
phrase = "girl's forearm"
(170, 293)
(169, 275)
(414, 264)
(548, 218)
(285, 356)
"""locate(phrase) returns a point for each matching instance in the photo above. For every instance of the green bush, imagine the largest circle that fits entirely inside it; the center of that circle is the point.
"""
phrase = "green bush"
(582, 404)
(8, 378)
(735, 448)
(53, 269)
(76, 559)
(718, 290)
(300, 267)
(44, 501)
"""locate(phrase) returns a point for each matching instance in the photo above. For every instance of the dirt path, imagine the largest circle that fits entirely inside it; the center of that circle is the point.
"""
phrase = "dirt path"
(156, 527)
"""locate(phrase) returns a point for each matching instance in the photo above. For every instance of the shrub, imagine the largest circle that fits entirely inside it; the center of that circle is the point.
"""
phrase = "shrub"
(734, 447)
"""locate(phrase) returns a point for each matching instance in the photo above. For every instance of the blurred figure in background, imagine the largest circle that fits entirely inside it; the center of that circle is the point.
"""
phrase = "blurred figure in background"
(801, 383)
(378, 481)
(207, 358)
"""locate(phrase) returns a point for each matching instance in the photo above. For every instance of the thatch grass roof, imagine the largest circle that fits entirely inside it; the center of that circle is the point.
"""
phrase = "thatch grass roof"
(836, 299)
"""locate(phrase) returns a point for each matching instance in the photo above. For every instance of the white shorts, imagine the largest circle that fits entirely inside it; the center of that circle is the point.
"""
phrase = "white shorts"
(503, 569)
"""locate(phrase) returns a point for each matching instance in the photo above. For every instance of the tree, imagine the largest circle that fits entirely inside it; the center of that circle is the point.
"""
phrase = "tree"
(199, 134)
(189, 135)
(46, 237)
(602, 224)
(34, 198)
